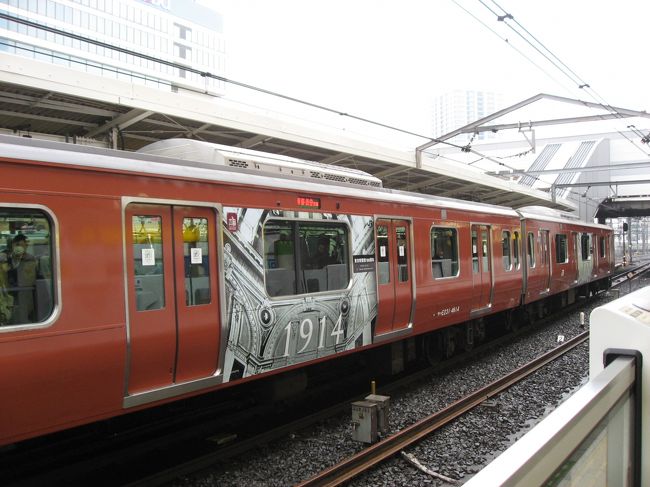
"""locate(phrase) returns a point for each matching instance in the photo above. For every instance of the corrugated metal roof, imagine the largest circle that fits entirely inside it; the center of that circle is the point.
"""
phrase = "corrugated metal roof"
(540, 163)
(575, 162)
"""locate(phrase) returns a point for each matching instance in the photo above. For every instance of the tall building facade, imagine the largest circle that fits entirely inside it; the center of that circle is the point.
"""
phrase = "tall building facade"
(182, 32)
(458, 108)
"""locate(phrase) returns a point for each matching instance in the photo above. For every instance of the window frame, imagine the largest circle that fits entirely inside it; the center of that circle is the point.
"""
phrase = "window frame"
(530, 249)
(295, 222)
(506, 236)
(516, 249)
(431, 254)
(207, 250)
(140, 270)
(55, 275)
(602, 246)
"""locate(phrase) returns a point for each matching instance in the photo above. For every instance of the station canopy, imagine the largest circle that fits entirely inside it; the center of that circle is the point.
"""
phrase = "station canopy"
(53, 102)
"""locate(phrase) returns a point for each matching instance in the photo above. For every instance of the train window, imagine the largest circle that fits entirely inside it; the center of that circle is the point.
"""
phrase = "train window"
(148, 265)
(531, 249)
(585, 246)
(26, 282)
(603, 247)
(474, 252)
(561, 254)
(444, 252)
(507, 260)
(402, 254)
(515, 249)
(305, 257)
(484, 250)
(544, 247)
(383, 259)
(197, 266)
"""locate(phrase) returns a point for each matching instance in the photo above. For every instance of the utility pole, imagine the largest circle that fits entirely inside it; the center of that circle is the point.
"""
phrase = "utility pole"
(624, 256)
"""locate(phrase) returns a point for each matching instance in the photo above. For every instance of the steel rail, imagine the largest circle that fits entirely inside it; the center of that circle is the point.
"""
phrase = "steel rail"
(631, 274)
(369, 457)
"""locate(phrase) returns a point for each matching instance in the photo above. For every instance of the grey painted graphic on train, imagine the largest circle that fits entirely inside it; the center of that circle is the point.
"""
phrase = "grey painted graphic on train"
(291, 292)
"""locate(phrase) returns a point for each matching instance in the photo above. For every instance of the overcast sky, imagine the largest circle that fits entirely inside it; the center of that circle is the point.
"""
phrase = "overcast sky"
(386, 60)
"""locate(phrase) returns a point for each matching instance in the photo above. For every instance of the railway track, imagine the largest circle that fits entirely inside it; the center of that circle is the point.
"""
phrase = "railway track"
(630, 274)
(369, 457)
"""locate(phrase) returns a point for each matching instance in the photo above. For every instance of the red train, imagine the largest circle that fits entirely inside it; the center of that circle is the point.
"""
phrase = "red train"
(132, 279)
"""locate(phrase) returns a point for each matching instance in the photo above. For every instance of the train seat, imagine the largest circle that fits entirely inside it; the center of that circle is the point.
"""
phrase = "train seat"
(337, 276)
(280, 281)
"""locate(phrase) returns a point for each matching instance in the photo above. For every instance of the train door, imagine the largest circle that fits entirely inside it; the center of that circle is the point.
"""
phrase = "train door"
(394, 275)
(174, 325)
(545, 259)
(481, 267)
(585, 260)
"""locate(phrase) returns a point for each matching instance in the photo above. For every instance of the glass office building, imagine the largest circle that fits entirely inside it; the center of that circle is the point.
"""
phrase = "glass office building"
(460, 107)
(182, 32)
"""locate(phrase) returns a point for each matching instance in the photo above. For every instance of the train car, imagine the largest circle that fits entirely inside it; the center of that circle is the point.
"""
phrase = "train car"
(565, 258)
(128, 280)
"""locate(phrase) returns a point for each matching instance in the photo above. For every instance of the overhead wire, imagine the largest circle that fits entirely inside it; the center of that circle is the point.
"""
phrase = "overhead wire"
(54, 30)
(508, 16)
(562, 67)
(189, 69)
(521, 53)
(556, 62)
(504, 18)
(511, 45)
(223, 79)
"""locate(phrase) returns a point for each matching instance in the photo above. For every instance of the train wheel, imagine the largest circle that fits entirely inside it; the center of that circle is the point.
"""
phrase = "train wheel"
(470, 335)
(531, 314)
(514, 319)
(431, 348)
(448, 342)
(479, 330)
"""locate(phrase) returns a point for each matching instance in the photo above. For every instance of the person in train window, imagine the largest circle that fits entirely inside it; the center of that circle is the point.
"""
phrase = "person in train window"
(322, 256)
(6, 298)
(18, 279)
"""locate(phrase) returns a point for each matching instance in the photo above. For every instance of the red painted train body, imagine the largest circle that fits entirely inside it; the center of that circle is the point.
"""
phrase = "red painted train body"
(144, 279)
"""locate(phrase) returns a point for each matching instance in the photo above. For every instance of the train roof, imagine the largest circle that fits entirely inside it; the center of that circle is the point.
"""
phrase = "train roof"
(552, 215)
(258, 162)
(14, 147)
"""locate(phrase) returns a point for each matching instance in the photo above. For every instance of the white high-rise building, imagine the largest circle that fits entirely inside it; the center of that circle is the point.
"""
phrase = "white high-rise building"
(177, 31)
(458, 108)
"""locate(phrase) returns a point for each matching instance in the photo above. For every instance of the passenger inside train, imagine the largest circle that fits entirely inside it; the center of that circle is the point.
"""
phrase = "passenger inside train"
(18, 278)
(322, 261)
(25, 274)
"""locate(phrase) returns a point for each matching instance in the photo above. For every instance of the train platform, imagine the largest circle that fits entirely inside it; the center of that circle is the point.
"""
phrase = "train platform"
(597, 436)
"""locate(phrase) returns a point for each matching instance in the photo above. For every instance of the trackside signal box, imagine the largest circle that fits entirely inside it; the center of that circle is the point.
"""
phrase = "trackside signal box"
(364, 421)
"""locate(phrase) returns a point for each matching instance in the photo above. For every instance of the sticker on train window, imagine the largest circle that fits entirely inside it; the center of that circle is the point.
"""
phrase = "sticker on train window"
(196, 256)
(148, 257)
